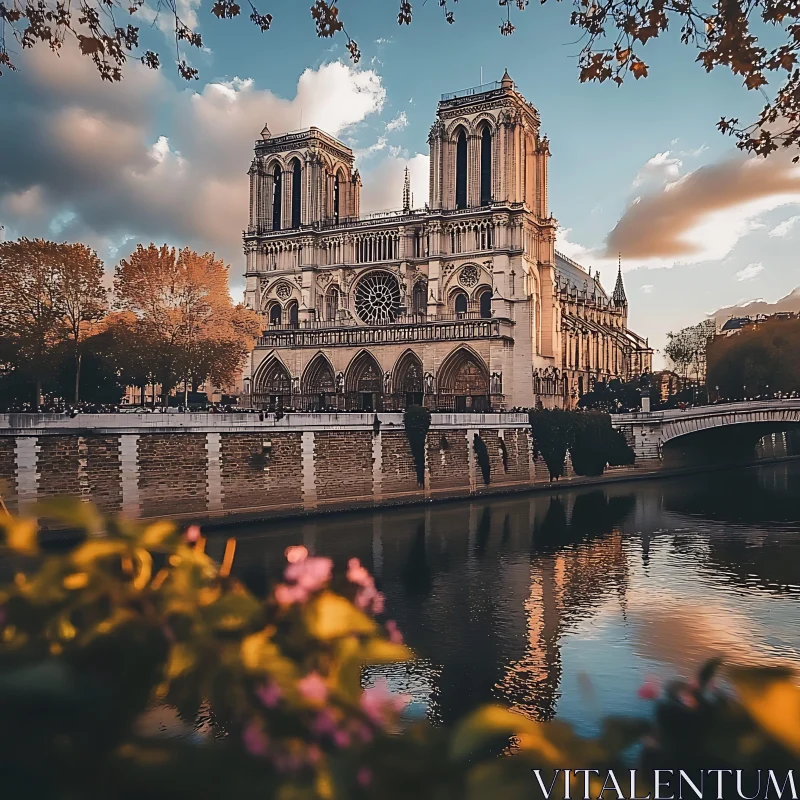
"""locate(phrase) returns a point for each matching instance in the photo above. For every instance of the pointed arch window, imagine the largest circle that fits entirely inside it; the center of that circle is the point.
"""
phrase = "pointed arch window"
(293, 314)
(277, 194)
(336, 190)
(461, 169)
(460, 304)
(486, 304)
(275, 314)
(486, 166)
(331, 303)
(297, 187)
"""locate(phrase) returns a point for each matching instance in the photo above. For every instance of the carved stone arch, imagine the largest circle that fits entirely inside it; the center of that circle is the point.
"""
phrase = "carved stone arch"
(482, 120)
(272, 383)
(318, 383)
(408, 376)
(364, 383)
(482, 299)
(363, 372)
(271, 162)
(459, 122)
(294, 154)
(463, 380)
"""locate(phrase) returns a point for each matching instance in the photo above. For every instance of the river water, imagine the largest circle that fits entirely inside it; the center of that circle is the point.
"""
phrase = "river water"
(562, 605)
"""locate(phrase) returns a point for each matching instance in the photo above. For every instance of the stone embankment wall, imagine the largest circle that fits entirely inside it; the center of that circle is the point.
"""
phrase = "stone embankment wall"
(205, 466)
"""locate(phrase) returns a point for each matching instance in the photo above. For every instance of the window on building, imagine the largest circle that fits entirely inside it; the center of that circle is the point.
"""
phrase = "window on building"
(460, 304)
(277, 194)
(297, 187)
(486, 304)
(486, 166)
(274, 314)
(331, 303)
(419, 299)
(293, 315)
(336, 197)
(461, 169)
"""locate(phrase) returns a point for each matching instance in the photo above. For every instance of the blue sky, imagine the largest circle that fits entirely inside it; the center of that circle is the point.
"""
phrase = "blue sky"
(159, 159)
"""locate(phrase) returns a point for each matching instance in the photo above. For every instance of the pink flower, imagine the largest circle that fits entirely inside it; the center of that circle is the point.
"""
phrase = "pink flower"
(192, 533)
(364, 776)
(380, 705)
(341, 738)
(288, 595)
(296, 553)
(313, 688)
(357, 574)
(313, 754)
(649, 690)
(394, 632)
(687, 699)
(310, 574)
(269, 694)
(363, 732)
(324, 724)
(255, 740)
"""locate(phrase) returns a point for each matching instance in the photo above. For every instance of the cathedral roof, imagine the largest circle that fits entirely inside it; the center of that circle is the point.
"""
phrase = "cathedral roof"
(572, 274)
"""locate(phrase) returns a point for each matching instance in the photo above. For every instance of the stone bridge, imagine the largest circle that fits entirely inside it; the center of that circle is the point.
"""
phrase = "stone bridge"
(709, 433)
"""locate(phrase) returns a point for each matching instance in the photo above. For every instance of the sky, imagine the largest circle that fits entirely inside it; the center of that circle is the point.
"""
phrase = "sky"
(638, 170)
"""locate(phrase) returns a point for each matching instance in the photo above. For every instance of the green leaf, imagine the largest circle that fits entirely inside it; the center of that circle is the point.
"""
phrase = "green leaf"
(331, 616)
(486, 725)
(72, 512)
(158, 534)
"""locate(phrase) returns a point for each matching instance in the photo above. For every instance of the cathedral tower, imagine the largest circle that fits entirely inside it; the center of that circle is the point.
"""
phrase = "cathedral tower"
(486, 149)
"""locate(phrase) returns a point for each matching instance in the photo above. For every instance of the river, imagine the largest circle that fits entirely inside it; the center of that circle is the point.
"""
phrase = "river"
(562, 605)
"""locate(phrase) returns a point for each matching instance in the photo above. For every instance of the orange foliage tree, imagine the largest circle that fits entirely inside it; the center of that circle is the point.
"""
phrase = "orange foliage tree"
(184, 312)
(759, 360)
(50, 294)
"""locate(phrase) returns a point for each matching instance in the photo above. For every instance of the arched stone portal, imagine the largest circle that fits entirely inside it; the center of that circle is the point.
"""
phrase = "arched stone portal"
(363, 383)
(408, 381)
(463, 382)
(272, 386)
(319, 384)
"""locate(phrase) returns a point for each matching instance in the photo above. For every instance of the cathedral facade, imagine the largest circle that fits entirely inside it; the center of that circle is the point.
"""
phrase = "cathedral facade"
(462, 306)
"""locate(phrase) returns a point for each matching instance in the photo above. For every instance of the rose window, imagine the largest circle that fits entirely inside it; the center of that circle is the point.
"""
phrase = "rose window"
(468, 276)
(284, 291)
(377, 298)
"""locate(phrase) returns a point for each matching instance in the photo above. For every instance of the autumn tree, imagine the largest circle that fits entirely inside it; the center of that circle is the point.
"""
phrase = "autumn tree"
(184, 310)
(49, 295)
(612, 33)
(686, 349)
(760, 359)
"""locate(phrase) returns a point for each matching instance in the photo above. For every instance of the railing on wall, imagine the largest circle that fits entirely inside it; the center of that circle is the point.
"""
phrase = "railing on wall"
(447, 330)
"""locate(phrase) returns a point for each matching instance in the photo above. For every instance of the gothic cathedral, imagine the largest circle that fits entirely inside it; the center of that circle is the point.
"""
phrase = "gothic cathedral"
(464, 305)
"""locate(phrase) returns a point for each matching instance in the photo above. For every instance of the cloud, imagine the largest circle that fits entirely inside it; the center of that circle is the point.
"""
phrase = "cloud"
(145, 159)
(383, 185)
(749, 272)
(647, 288)
(783, 228)
(398, 123)
(701, 216)
(661, 167)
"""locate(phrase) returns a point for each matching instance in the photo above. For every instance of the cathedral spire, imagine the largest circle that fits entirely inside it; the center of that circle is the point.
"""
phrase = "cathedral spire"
(619, 296)
(406, 193)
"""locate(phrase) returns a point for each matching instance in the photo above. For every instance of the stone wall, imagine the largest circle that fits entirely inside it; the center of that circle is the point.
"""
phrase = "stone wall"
(197, 466)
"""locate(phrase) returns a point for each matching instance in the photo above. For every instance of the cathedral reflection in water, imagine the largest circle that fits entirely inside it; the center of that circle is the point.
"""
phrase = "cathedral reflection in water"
(517, 599)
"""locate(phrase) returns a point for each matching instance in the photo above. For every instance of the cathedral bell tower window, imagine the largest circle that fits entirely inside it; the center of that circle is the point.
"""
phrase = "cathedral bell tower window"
(336, 198)
(461, 169)
(297, 185)
(486, 166)
(277, 193)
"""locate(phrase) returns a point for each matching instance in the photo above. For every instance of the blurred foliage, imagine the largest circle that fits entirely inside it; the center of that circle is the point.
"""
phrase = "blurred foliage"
(417, 421)
(135, 621)
(588, 436)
